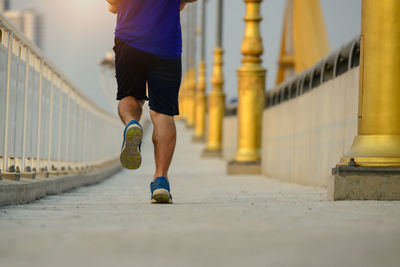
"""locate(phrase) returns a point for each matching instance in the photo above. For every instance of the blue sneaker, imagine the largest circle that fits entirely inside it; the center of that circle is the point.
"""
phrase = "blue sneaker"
(130, 153)
(160, 192)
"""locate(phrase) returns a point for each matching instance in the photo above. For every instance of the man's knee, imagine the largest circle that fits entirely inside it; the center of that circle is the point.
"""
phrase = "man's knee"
(131, 99)
(158, 115)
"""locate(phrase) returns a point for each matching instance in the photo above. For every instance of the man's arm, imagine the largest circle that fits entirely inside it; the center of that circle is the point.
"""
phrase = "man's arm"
(184, 2)
(113, 6)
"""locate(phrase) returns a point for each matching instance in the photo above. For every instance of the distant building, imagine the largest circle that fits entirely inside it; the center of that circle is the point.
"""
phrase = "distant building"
(27, 21)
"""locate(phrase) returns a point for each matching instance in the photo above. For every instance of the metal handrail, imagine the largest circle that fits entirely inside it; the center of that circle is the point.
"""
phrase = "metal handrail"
(46, 124)
(333, 65)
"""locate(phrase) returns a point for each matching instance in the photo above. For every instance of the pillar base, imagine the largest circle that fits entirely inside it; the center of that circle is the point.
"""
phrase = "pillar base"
(198, 139)
(237, 167)
(374, 151)
(211, 153)
(364, 183)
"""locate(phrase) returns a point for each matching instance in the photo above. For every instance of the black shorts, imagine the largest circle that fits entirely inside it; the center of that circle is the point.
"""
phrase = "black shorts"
(135, 68)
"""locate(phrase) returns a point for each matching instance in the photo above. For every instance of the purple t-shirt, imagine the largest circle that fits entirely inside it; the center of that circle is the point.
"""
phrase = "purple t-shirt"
(152, 26)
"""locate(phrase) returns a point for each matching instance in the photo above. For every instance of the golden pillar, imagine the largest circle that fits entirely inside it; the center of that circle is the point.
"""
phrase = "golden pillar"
(216, 103)
(216, 99)
(378, 140)
(251, 95)
(182, 98)
(190, 91)
(200, 115)
(200, 106)
(371, 169)
(190, 95)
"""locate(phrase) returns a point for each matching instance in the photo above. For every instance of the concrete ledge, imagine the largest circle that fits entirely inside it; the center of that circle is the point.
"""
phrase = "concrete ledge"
(364, 183)
(239, 168)
(27, 190)
(30, 175)
(13, 176)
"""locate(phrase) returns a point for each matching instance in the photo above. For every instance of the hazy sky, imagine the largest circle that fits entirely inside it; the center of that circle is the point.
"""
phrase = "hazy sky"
(78, 33)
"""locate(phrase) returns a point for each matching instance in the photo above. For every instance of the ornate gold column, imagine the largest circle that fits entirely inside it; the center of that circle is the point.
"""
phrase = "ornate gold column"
(200, 116)
(251, 95)
(216, 99)
(216, 103)
(378, 140)
(190, 94)
(182, 98)
(370, 170)
(190, 104)
(186, 61)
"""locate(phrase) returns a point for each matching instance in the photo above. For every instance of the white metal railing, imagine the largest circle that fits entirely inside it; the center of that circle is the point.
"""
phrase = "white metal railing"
(46, 123)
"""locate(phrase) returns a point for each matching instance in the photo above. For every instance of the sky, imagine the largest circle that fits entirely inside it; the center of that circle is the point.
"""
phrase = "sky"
(78, 33)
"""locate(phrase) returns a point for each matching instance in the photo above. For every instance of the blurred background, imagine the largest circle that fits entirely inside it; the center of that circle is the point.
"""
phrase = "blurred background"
(76, 34)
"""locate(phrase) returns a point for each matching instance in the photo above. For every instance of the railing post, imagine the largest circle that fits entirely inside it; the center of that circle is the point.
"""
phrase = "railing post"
(371, 169)
(251, 95)
(60, 117)
(67, 130)
(25, 172)
(216, 99)
(49, 167)
(38, 167)
(5, 153)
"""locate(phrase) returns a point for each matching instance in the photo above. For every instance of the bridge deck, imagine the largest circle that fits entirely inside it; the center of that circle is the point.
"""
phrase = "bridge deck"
(217, 221)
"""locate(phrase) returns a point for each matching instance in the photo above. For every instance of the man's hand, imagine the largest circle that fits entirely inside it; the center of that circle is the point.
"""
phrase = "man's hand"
(113, 6)
(184, 2)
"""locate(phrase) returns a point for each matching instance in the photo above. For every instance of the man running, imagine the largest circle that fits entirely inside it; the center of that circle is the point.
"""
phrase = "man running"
(148, 47)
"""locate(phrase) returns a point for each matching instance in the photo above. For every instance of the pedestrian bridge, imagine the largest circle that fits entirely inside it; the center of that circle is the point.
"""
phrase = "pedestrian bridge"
(52, 130)
(216, 220)
(250, 181)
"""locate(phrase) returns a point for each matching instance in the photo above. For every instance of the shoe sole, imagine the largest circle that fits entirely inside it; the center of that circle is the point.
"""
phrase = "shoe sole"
(161, 196)
(131, 157)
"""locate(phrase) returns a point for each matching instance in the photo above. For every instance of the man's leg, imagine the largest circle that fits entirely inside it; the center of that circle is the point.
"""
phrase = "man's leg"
(130, 111)
(164, 80)
(129, 108)
(164, 140)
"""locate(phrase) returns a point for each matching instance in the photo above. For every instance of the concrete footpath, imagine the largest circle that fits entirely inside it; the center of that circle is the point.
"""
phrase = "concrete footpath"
(217, 220)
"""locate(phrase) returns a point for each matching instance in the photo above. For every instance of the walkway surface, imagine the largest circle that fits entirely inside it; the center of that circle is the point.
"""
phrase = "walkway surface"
(217, 220)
